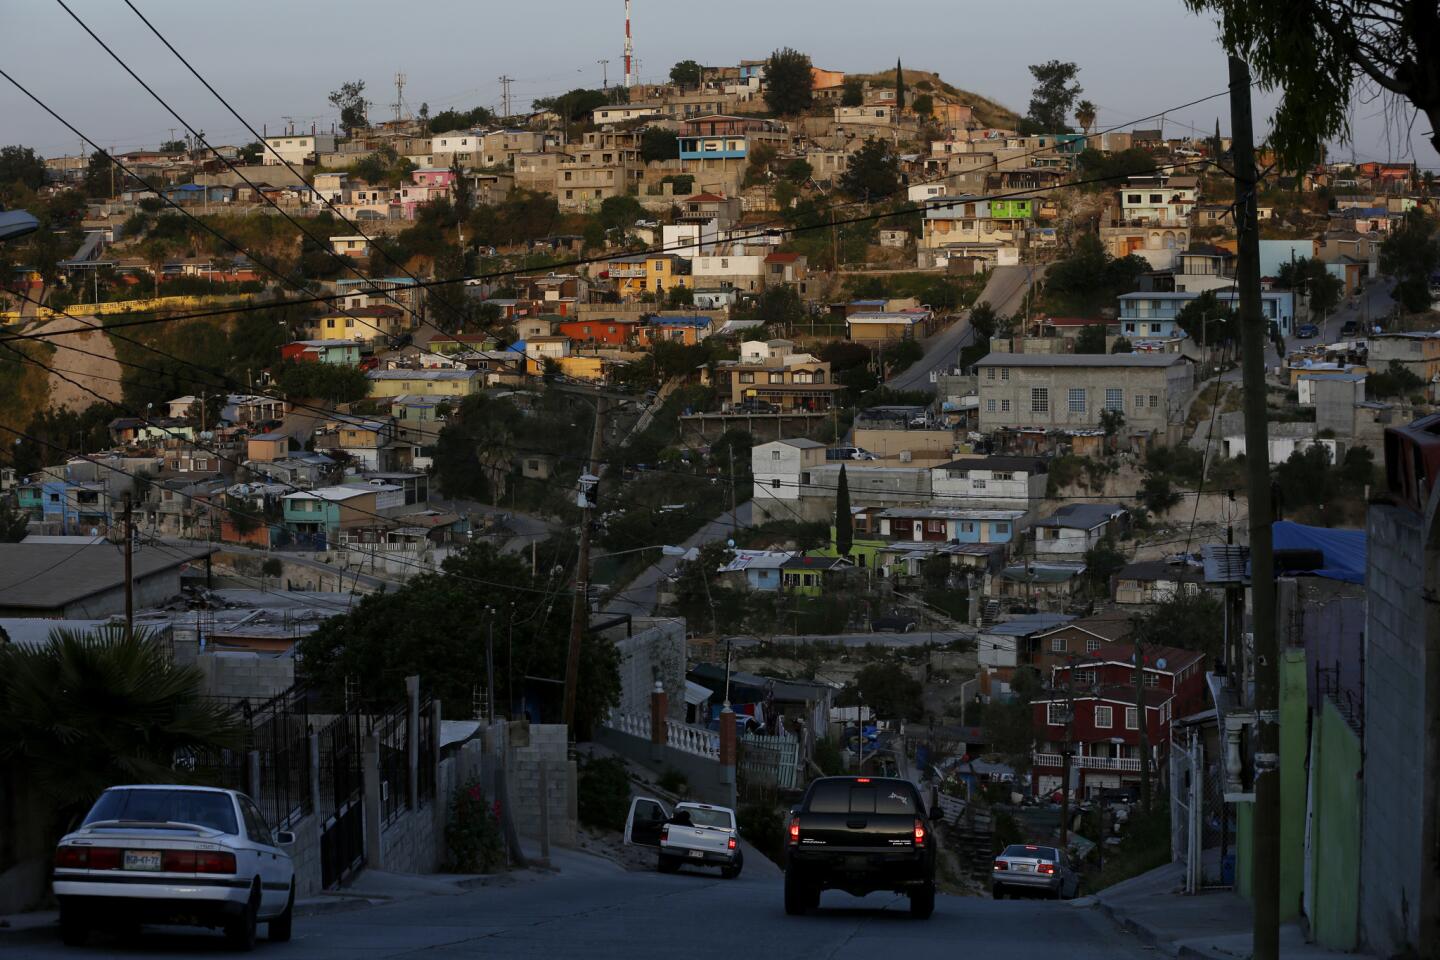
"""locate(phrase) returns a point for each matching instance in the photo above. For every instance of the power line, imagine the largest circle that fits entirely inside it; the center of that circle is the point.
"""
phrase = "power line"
(769, 232)
(345, 263)
(399, 93)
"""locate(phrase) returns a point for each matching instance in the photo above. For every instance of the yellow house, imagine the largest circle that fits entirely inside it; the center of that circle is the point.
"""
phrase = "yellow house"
(655, 274)
(583, 368)
(361, 323)
(425, 383)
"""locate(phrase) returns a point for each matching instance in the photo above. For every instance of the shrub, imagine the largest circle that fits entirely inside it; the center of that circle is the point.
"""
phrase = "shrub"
(673, 781)
(761, 824)
(828, 757)
(604, 793)
(472, 835)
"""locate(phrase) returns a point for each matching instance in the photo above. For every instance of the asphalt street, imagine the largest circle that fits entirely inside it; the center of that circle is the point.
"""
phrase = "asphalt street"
(1005, 291)
(918, 638)
(638, 598)
(1373, 303)
(604, 912)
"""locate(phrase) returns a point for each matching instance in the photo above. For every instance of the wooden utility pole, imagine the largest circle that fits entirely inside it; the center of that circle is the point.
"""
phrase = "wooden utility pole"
(1265, 878)
(129, 571)
(1068, 752)
(580, 612)
(1141, 728)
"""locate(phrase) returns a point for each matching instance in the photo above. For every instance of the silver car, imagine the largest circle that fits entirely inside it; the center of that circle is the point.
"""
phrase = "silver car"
(175, 854)
(1033, 868)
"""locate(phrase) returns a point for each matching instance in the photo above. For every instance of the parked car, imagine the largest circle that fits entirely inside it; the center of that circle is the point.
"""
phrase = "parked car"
(896, 621)
(698, 834)
(860, 835)
(175, 854)
(1307, 331)
(1033, 868)
(1350, 328)
(756, 406)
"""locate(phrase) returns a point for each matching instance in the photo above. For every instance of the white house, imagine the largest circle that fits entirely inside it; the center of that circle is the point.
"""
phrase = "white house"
(1158, 199)
(1018, 480)
(351, 246)
(1077, 527)
(780, 468)
(296, 148)
(691, 237)
(744, 272)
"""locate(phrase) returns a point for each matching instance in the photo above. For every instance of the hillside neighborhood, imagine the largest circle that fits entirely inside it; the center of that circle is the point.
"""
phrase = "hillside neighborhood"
(689, 440)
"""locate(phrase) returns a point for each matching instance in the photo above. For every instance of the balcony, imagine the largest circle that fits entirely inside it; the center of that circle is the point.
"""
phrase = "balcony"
(1122, 764)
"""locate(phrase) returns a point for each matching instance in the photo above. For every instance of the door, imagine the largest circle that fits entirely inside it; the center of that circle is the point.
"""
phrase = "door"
(643, 825)
(274, 864)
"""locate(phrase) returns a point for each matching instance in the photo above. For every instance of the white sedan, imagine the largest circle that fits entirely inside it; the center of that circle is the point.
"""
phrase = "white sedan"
(175, 854)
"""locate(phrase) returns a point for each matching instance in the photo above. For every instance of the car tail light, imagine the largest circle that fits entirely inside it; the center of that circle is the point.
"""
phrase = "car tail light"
(919, 832)
(731, 843)
(862, 779)
(214, 861)
(76, 858)
(178, 861)
(104, 858)
(665, 832)
(1002, 865)
(1045, 868)
(795, 830)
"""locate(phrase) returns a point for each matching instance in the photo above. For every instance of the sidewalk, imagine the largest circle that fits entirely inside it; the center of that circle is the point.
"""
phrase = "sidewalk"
(1208, 926)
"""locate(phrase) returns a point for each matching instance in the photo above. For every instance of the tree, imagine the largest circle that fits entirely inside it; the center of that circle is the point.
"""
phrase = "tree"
(1122, 345)
(252, 153)
(620, 212)
(1102, 562)
(13, 522)
(1053, 97)
(23, 166)
(1157, 494)
(1112, 421)
(872, 172)
(321, 381)
(797, 171)
(1089, 276)
(924, 105)
(888, 690)
(1010, 724)
(686, 73)
(99, 173)
(657, 143)
(1318, 51)
(983, 319)
(1207, 321)
(1191, 619)
(1085, 116)
(789, 87)
(852, 92)
(90, 709)
(350, 101)
(576, 106)
(1091, 339)
(447, 120)
(1410, 254)
(1100, 169)
(899, 87)
(435, 623)
(844, 522)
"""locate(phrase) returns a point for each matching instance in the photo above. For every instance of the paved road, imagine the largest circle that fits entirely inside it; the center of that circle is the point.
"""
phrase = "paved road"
(639, 597)
(1005, 291)
(1374, 302)
(605, 912)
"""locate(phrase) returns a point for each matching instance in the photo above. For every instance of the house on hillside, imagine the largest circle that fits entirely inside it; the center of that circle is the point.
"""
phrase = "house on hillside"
(1077, 527)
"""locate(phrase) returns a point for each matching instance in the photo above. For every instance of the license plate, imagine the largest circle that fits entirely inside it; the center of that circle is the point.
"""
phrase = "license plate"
(696, 854)
(1023, 868)
(142, 860)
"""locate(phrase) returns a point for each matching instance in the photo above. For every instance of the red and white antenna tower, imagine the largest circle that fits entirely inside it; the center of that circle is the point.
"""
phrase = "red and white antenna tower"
(629, 50)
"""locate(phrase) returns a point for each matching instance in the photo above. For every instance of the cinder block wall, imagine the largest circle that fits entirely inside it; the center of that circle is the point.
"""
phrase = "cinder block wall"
(547, 744)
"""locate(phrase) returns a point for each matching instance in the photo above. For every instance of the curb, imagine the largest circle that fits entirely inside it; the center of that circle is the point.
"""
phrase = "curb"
(337, 904)
(1143, 933)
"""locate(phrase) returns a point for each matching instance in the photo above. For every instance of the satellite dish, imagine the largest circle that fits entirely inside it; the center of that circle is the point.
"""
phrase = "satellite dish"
(1160, 664)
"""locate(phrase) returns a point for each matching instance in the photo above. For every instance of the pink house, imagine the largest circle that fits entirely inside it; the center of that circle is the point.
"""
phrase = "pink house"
(433, 177)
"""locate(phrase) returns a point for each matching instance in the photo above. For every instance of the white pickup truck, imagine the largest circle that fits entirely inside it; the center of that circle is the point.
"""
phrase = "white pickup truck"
(699, 834)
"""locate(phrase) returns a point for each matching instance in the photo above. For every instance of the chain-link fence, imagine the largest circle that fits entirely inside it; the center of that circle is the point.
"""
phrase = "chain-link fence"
(1202, 825)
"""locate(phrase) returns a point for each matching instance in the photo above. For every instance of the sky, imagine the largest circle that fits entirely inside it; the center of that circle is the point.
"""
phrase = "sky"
(274, 59)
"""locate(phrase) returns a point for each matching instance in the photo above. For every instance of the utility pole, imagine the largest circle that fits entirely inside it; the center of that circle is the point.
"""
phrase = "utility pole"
(1265, 879)
(505, 82)
(580, 612)
(129, 568)
(734, 520)
(490, 666)
(604, 74)
(1068, 751)
(1141, 727)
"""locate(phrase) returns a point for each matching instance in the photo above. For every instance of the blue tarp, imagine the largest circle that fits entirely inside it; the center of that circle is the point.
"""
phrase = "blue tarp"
(1344, 550)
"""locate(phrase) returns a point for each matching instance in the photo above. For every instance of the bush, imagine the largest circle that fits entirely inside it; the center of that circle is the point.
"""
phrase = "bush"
(604, 793)
(1146, 845)
(472, 835)
(673, 781)
(828, 757)
(762, 825)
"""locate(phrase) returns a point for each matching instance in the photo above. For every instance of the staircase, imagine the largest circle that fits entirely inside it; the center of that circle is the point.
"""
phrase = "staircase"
(972, 840)
(989, 613)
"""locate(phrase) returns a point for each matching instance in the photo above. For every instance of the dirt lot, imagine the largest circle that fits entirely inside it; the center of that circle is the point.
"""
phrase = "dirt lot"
(98, 373)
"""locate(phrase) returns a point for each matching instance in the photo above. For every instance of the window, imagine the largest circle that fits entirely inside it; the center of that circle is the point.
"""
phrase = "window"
(1114, 398)
(1004, 406)
(1133, 198)
(1105, 717)
(989, 373)
(967, 526)
(1139, 402)
(1157, 198)
(1000, 528)
(1055, 714)
(774, 454)
(1091, 645)
(1004, 373)
(1154, 401)
(777, 378)
(1039, 400)
(330, 323)
(775, 484)
(1131, 721)
(750, 378)
(1152, 679)
(1076, 399)
(977, 484)
(1057, 644)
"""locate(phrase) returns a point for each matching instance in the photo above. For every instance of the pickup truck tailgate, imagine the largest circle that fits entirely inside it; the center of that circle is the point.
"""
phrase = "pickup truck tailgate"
(860, 816)
(709, 839)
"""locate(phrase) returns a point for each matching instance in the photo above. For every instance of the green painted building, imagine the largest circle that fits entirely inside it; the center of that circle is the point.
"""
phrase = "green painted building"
(863, 552)
(1012, 209)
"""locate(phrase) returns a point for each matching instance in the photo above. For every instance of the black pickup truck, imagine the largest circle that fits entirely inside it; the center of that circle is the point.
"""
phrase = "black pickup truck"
(860, 835)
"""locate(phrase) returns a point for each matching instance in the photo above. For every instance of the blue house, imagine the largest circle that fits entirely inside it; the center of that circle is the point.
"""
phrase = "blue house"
(1153, 314)
(760, 569)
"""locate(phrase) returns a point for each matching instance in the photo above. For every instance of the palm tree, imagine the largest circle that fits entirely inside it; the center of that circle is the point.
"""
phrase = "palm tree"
(496, 453)
(91, 709)
(1085, 113)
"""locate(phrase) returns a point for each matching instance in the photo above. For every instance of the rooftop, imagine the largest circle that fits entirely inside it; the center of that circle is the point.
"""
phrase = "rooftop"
(74, 572)
(1083, 516)
(1081, 359)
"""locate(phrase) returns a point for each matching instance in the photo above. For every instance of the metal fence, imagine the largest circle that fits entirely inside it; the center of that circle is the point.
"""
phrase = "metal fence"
(767, 762)
(393, 729)
(342, 808)
(279, 732)
(1202, 829)
(429, 744)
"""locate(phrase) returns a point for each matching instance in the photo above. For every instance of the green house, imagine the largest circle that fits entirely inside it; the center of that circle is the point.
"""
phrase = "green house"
(1012, 209)
(862, 552)
(808, 575)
